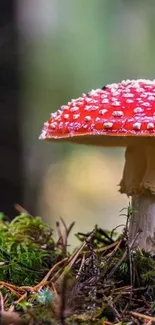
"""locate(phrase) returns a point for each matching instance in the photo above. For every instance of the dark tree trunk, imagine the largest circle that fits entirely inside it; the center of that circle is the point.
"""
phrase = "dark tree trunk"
(11, 180)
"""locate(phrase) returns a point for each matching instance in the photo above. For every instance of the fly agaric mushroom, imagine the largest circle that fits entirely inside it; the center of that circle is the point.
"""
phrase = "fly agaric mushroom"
(120, 114)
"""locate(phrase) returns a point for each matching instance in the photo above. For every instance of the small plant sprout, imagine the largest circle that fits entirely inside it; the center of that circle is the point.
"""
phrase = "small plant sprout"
(45, 297)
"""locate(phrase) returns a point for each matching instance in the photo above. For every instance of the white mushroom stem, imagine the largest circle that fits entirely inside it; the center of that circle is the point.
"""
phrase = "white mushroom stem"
(139, 182)
(143, 219)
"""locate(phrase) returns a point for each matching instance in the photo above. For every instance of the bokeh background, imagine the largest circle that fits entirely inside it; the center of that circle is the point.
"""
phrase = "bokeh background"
(64, 48)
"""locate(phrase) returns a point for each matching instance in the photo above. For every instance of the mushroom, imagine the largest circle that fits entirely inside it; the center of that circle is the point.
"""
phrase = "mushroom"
(119, 114)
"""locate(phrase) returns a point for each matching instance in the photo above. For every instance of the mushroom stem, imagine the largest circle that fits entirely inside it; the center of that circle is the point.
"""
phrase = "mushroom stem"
(143, 219)
(139, 182)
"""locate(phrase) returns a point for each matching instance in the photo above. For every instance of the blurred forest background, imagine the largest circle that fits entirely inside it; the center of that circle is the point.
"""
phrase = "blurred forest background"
(58, 50)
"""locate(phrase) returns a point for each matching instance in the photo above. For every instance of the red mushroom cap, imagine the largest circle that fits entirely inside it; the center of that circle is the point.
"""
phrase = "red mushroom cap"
(120, 109)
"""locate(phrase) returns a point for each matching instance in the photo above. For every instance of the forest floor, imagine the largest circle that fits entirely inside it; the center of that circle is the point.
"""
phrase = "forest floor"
(104, 281)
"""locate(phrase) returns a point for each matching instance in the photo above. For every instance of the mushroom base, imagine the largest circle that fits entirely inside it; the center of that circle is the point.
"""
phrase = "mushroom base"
(143, 219)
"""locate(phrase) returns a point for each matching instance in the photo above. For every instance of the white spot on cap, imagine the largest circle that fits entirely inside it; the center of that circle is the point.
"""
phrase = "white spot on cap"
(92, 92)
(139, 90)
(151, 98)
(143, 95)
(146, 104)
(129, 101)
(46, 124)
(88, 100)
(104, 95)
(87, 108)
(113, 89)
(53, 125)
(117, 113)
(150, 126)
(103, 111)
(87, 118)
(108, 125)
(115, 93)
(66, 116)
(127, 95)
(138, 110)
(80, 99)
(42, 135)
(125, 82)
(114, 85)
(57, 118)
(61, 124)
(75, 116)
(116, 103)
(105, 101)
(79, 102)
(93, 108)
(74, 109)
(64, 107)
(137, 126)
(97, 119)
(53, 115)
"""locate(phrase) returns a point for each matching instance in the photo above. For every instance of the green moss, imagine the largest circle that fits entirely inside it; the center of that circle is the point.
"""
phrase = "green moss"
(27, 250)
